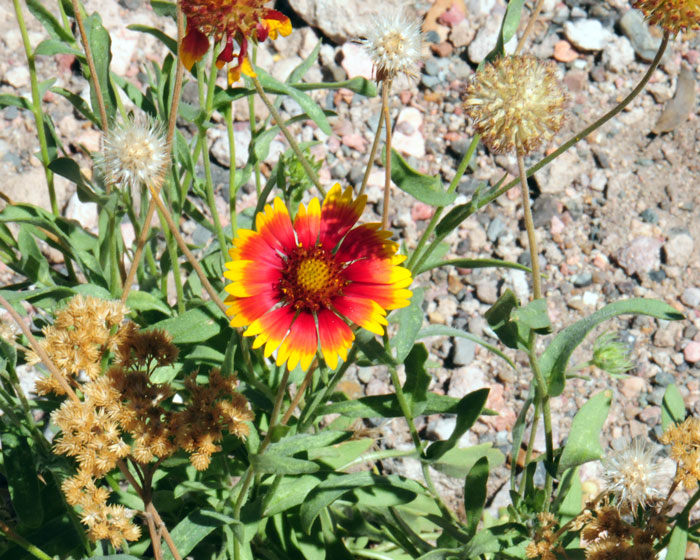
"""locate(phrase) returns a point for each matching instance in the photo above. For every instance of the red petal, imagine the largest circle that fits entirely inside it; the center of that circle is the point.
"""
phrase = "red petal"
(194, 47)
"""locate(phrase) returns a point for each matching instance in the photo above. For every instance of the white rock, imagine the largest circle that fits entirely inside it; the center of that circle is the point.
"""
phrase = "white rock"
(85, 213)
(587, 34)
(559, 174)
(679, 249)
(17, 77)
(485, 41)
(407, 137)
(356, 61)
(465, 380)
(477, 8)
(618, 54)
(283, 67)
(124, 43)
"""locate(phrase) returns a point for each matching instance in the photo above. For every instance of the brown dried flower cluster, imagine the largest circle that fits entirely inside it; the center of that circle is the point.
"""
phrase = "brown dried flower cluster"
(81, 334)
(123, 413)
(544, 544)
(517, 104)
(684, 439)
(610, 537)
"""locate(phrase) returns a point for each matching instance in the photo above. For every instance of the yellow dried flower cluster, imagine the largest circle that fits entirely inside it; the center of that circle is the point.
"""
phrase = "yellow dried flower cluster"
(8, 329)
(123, 413)
(610, 537)
(516, 104)
(671, 15)
(81, 334)
(684, 439)
(544, 544)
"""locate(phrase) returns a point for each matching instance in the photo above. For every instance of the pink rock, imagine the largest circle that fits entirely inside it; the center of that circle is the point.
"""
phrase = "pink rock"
(355, 141)
(563, 52)
(692, 352)
(557, 226)
(452, 17)
(692, 56)
(631, 387)
(421, 211)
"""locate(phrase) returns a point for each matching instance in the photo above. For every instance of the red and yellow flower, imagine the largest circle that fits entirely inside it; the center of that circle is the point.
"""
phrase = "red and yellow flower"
(228, 21)
(297, 286)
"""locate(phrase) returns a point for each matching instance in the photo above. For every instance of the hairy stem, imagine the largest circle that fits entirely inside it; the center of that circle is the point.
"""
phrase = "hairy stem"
(373, 151)
(288, 135)
(531, 233)
(386, 88)
(530, 25)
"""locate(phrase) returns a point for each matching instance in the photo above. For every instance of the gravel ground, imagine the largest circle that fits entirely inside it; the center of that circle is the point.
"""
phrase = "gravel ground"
(617, 215)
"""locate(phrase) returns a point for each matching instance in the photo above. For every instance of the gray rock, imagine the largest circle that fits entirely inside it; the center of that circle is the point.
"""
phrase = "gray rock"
(496, 228)
(691, 297)
(559, 174)
(365, 374)
(487, 291)
(656, 396)
(544, 209)
(465, 380)
(663, 378)
(582, 280)
(642, 255)
(441, 428)
(636, 30)
(463, 351)
(587, 34)
(649, 216)
(343, 21)
(679, 249)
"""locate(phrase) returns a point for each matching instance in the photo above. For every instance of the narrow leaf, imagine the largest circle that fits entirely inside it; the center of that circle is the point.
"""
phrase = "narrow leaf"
(194, 528)
(279, 464)
(410, 320)
(417, 380)
(475, 493)
(22, 479)
(673, 407)
(422, 187)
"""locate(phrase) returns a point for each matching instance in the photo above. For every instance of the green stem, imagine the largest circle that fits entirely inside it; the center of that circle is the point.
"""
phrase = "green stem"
(531, 233)
(24, 543)
(228, 117)
(373, 150)
(386, 88)
(530, 444)
(466, 159)
(36, 110)
(288, 135)
(171, 247)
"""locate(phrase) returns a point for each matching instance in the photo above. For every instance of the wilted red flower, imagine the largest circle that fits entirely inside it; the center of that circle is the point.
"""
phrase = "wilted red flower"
(228, 21)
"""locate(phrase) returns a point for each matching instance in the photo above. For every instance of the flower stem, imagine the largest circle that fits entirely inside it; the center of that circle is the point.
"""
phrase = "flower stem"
(531, 233)
(172, 119)
(530, 25)
(386, 88)
(228, 117)
(299, 394)
(288, 135)
(36, 111)
(373, 150)
(412, 265)
(18, 539)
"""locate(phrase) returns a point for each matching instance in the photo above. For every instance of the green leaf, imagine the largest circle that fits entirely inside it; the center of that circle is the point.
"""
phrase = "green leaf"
(78, 103)
(410, 320)
(305, 65)
(164, 38)
(135, 95)
(442, 330)
(453, 218)
(339, 455)
(583, 444)
(375, 352)
(196, 325)
(143, 301)
(498, 316)
(305, 442)
(279, 464)
(164, 8)
(22, 478)
(33, 264)
(422, 187)
(677, 546)
(307, 104)
(569, 495)
(49, 21)
(475, 493)
(459, 461)
(473, 263)
(291, 492)
(533, 316)
(509, 26)
(51, 47)
(115, 557)
(100, 44)
(468, 411)
(673, 407)
(8, 100)
(417, 380)
(387, 406)
(68, 168)
(194, 528)
(330, 490)
(555, 358)
(358, 84)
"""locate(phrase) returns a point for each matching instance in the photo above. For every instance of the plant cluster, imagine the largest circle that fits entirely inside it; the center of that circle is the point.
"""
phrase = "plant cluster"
(171, 422)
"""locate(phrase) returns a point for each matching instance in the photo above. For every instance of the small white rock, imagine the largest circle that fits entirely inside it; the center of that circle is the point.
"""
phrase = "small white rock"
(587, 34)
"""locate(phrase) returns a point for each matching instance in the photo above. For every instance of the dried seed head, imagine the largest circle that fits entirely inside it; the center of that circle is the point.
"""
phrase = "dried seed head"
(672, 15)
(134, 153)
(684, 439)
(394, 44)
(634, 475)
(516, 103)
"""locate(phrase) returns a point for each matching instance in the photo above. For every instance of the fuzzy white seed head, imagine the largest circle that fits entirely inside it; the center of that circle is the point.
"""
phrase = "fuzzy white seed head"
(394, 45)
(134, 153)
(635, 476)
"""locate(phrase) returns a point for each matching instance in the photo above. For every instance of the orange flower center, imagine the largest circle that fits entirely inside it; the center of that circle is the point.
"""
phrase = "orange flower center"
(311, 279)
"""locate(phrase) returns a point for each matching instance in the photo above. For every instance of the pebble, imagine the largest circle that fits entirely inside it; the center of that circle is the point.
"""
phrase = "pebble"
(356, 61)
(85, 213)
(421, 211)
(618, 54)
(544, 209)
(642, 255)
(582, 280)
(679, 249)
(563, 52)
(463, 351)
(411, 143)
(587, 34)
(465, 380)
(663, 378)
(485, 40)
(487, 291)
(691, 352)
(496, 228)
(649, 216)
(691, 297)
(462, 34)
(559, 174)
(634, 27)
(17, 76)
(632, 386)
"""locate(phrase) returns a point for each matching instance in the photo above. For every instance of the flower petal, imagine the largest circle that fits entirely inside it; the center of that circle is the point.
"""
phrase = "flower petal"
(335, 337)
(250, 278)
(249, 245)
(275, 225)
(277, 22)
(366, 241)
(378, 271)
(308, 223)
(387, 296)
(363, 312)
(301, 343)
(339, 213)
(271, 328)
(243, 311)
(194, 46)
